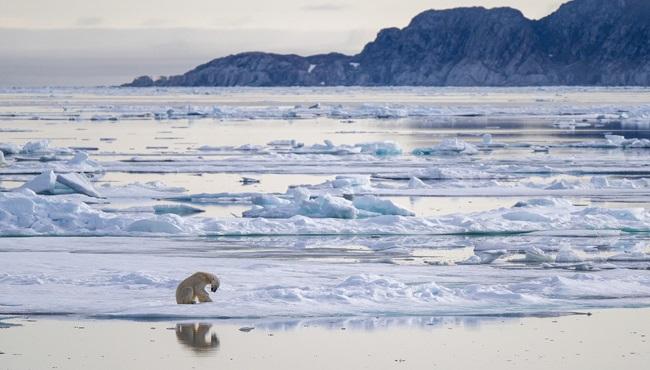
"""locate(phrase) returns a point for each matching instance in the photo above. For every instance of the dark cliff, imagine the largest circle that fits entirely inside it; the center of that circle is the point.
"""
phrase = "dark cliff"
(585, 42)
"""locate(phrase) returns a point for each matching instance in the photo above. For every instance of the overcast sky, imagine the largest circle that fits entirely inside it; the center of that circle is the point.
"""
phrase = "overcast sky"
(96, 42)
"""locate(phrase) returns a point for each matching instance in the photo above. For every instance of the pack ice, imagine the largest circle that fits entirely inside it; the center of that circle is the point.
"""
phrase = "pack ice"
(27, 213)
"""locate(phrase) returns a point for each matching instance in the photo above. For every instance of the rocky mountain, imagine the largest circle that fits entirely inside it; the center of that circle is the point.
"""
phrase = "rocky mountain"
(585, 42)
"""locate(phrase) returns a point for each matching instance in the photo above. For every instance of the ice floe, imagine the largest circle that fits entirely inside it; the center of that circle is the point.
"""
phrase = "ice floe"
(448, 146)
(484, 257)
(537, 255)
(614, 142)
(568, 255)
(25, 213)
(299, 202)
(143, 287)
(159, 209)
(9, 149)
(416, 183)
(381, 148)
(82, 162)
(348, 102)
(50, 183)
(151, 189)
(630, 257)
(42, 184)
(78, 183)
(384, 148)
(42, 147)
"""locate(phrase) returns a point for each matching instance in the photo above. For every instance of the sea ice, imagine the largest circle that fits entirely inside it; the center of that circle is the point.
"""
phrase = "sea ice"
(9, 149)
(536, 255)
(562, 185)
(151, 189)
(567, 255)
(485, 257)
(487, 142)
(380, 148)
(630, 257)
(78, 183)
(40, 146)
(328, 147)
(448, 146)
(159, 209)
(438, 173)
(416, 183)
(290, 143)
(379, 206)
(571, 124)
(81, 159)
(166, 224)
(144, 287)
(487, 139)
(51, 216)
(50, 183)
(42, 184)
(301, 203)
(615, 142)
(600, 182)
(347, 182)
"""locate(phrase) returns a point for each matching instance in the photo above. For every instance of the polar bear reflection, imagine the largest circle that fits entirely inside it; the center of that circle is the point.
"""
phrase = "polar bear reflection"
(195, 336)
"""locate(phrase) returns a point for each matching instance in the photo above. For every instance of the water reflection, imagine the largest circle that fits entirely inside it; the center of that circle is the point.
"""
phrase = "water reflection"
(188, 332)
(197, 337)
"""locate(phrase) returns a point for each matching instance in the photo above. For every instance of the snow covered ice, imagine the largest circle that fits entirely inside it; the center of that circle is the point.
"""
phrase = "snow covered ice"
(320, 202)
(300, 203)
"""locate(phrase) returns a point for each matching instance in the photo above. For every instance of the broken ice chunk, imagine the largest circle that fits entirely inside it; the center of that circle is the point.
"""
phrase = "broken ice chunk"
(375, 204)
(567, 255)
(446, 147)
(41, 184)
(416, 183)
(630, 257)
(484, 257)
(78, 183)
(299, 202)
(536, 255)
(9, 149)
(38, 146)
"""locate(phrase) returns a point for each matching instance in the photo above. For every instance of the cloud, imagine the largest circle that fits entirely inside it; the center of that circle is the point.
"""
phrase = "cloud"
(89, 21)
(323, 8)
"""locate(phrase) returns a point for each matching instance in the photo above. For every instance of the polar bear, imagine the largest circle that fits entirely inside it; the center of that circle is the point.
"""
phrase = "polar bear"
(192, 289)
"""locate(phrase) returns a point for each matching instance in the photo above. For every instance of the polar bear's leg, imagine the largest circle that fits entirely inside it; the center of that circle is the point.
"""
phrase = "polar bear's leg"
(185, 296)
(203, 296)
